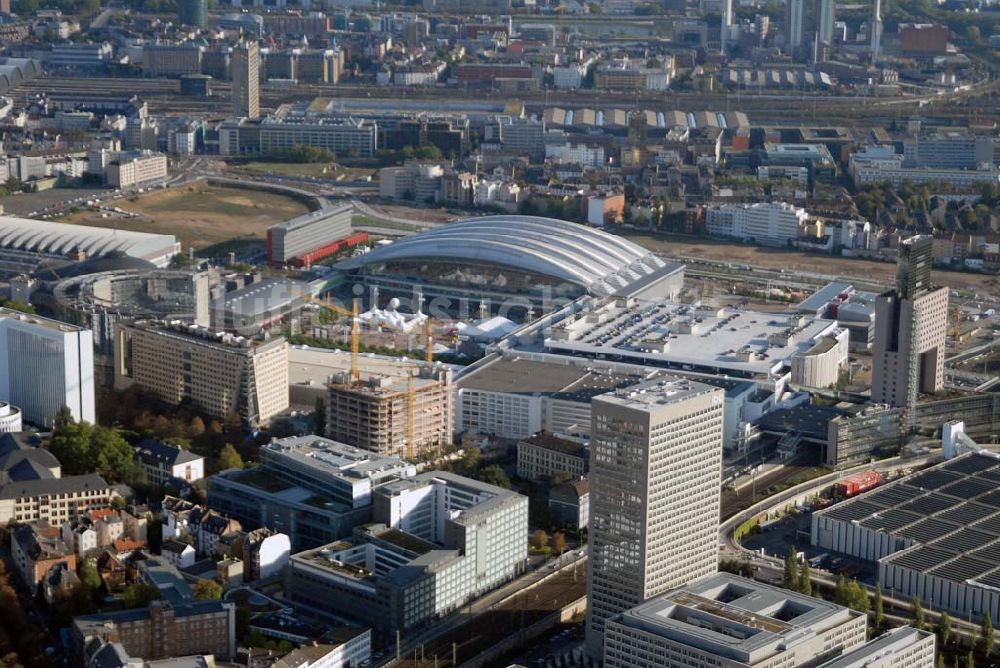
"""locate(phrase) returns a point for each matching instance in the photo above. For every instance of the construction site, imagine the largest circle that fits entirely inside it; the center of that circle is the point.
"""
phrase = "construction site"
(390, 405)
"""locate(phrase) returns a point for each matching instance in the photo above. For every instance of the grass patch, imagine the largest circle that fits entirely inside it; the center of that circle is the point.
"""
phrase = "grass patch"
(303, 169)
(367, 221)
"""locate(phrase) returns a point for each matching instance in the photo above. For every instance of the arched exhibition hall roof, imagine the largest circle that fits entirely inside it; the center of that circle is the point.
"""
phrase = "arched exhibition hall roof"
(600, 262)
(41, 236)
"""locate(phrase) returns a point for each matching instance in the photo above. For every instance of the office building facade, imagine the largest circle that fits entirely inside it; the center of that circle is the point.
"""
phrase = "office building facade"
(221, 374)
(313, 489)
(655, 476)
(245, 73)
(911, 324)
(727, 620)
(45, 365)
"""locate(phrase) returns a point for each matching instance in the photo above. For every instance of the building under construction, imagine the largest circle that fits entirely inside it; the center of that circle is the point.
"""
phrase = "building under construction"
(404, 416)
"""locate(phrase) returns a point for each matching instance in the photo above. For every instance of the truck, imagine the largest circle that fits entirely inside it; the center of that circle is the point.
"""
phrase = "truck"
(858, 484)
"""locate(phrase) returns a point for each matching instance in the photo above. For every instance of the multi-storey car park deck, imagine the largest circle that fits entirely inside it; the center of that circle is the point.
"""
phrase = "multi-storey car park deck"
(735, 341)
(935, 534)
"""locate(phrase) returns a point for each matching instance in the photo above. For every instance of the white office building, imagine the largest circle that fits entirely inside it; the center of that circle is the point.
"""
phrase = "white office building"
(44, 365)
(768, 224)
(727, 620)
(655, 475)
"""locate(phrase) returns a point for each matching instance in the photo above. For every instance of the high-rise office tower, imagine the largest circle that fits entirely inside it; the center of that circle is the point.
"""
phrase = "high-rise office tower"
(727, 23)
(826, 17)
(911, 324)
(876, 30)
(193, 13)
(655, 477)
(245, 68)
(795, 15)
(45, 365)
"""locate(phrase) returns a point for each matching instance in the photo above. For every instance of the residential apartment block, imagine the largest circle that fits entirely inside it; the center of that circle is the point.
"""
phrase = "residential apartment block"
(220, 374)
(655, 478)
(164, 462)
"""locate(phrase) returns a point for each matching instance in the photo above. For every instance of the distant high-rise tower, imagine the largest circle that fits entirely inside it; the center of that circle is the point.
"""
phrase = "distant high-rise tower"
(245, 68)
(911, 325)
(826, 18)
(655, 457)
(193, 13)
(727, 23)
(876, 31)
(795, 15)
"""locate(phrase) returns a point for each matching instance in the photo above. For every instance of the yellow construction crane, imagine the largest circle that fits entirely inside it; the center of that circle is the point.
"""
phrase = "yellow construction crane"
(355, 341)
(429, 340)
(411, 426)
(330, 306)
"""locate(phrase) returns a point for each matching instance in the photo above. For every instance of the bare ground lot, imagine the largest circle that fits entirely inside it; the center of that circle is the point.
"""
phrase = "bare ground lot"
(790, 260)
(198, 214)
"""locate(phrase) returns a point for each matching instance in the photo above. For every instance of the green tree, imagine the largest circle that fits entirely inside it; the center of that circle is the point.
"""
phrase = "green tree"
(857, 597)
(970, 659)
(973, 33)
(987, 635)
(494, 475)
(791, 577)
(70, 443)
(879, 608)
(559, 542)
(805, 580)
(944, 629)
(470, 460)
(918, 614)
(229, 458)
(89, 576)
(139, 595)
(207, 590)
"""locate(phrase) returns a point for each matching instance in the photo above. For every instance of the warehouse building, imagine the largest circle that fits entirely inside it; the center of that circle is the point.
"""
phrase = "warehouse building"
(935, 534)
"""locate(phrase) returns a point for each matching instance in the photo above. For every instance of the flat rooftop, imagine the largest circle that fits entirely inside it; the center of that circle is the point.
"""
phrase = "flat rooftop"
(747, 343)
(38, 321)
(824, 296)
(333, 458)
(654, 393)
(519, 375)
(949, 514)
(549, 441)
(892, 642)
(263, 297)
(734, 617)
(316, 365)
